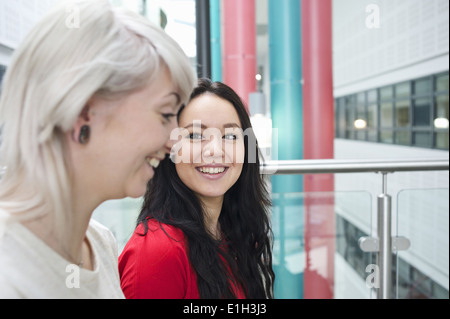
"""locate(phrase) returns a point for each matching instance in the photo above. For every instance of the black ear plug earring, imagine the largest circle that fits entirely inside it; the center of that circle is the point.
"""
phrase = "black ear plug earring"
(85, 133)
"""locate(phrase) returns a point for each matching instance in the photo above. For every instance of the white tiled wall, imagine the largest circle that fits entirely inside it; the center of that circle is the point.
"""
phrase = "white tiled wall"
(412, 40)
(18, 16)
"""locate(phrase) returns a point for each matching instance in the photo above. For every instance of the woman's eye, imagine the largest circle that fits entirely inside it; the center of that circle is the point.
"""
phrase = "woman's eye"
(230, 137)
(195, 136)
(168, 116)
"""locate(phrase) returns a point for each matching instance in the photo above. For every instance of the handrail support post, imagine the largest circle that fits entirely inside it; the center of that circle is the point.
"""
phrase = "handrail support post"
(385, 246)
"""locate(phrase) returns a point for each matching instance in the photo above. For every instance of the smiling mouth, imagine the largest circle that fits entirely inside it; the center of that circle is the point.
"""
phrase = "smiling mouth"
(212, 170)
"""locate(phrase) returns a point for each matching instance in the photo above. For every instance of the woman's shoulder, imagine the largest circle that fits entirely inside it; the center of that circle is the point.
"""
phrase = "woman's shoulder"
(155, 263)
(102, 238)
(161, 245)
(100, 231)
(157, 236)
(160, 230)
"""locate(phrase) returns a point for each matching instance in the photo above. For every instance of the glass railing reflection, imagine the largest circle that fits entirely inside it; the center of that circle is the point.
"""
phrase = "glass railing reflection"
(422, 271)
(316, 253)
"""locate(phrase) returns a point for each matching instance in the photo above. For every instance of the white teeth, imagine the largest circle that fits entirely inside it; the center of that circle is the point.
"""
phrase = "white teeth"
(153, 162)
(212, 170)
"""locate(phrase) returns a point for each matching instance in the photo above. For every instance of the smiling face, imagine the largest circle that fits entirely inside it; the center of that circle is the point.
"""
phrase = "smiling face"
(128, 139)
(211, 150)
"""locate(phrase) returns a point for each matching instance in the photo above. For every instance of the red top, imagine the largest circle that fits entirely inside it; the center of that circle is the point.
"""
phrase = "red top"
(156, 265)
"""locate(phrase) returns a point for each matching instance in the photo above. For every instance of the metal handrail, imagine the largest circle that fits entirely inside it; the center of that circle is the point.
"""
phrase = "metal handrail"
(326, 166)
(383, 243)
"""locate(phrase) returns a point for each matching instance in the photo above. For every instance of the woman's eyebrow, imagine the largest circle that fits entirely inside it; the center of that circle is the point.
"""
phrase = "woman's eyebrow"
(231, 125)
(227, 125)
(196, 125)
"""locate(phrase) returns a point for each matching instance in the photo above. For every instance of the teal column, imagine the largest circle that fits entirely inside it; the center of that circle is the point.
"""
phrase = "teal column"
(216, 47)
(287, 117)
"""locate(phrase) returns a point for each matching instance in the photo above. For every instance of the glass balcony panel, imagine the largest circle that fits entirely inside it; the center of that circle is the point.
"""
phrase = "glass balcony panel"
(422, 271)
(316, 252)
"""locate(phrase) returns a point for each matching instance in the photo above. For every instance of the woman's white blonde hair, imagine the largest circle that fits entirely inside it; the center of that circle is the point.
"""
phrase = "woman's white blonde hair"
(58, 67)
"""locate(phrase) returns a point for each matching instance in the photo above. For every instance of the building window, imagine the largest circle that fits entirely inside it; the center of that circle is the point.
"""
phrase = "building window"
(441, 119)
(360, 121)
(372, 115)
(411, 113)
(349, 106)
(2, 73)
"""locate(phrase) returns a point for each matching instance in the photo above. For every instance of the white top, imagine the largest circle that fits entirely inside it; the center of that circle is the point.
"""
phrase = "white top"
(31, 269)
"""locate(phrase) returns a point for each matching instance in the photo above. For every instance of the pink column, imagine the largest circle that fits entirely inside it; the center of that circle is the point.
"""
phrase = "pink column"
(318, 121)
(239, 47)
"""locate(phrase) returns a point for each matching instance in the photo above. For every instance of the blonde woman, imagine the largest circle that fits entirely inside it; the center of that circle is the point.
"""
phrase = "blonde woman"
(86, 113)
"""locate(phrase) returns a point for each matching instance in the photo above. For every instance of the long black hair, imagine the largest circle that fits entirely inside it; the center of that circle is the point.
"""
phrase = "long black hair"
(244, 220)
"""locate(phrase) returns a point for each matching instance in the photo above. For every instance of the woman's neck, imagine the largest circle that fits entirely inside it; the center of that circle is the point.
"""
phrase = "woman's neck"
(74, 247)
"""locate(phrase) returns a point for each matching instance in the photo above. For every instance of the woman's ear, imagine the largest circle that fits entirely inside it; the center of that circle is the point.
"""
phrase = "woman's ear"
(85, 111)
(81, 130)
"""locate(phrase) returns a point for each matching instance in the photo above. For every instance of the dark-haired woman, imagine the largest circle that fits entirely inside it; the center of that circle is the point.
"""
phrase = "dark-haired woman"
(204, 230)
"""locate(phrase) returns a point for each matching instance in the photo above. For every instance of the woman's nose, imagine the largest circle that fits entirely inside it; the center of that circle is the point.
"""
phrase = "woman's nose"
(213, 148)
(174, 137)
(168, 146)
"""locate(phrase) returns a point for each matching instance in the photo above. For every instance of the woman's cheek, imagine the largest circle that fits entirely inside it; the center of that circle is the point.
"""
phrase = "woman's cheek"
(187, 152)
(239, 153)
